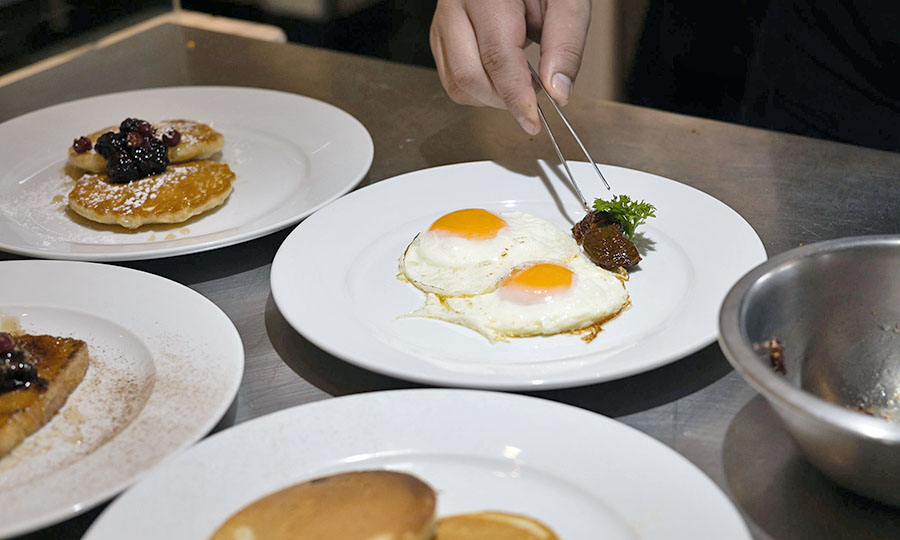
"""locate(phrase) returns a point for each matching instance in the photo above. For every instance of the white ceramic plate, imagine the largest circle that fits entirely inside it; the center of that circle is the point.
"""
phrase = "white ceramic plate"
(334, 278)
(165, 366)
(584, 475)
(291, 155)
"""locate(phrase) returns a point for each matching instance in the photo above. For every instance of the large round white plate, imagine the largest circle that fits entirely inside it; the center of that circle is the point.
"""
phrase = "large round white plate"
(291, 155)
(584, 475)
(334, 278)
(165, 366)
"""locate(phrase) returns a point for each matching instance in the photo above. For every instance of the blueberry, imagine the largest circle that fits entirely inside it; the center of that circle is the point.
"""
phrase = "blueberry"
(133, 124)
(6, 343)
(145, 129)
(171, 137)
(81, 145)
(134, 139)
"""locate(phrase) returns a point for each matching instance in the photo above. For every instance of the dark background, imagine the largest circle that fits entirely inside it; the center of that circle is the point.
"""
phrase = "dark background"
(828, 72)
(700, 70)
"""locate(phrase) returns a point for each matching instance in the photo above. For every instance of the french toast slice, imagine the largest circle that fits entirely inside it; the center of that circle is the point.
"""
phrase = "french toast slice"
(61, 364)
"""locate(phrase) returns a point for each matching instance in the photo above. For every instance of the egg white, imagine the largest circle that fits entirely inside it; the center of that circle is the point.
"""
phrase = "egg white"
(435, 262)
(595, 295)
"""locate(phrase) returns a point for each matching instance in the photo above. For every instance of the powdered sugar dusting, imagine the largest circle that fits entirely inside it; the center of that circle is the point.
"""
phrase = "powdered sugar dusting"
(165, 364)
(114, 390)
(271, 185)
(188, 129)
(39, 203)
(128, 197)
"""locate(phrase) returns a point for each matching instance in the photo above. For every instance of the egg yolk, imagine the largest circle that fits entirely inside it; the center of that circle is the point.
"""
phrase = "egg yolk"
(471, 223)
(535, 284)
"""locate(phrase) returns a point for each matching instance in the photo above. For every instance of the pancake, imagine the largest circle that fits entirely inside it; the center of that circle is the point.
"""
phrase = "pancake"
(183, 191)
(492, 526)
(364, 505)
(61, 363)
(198, 141)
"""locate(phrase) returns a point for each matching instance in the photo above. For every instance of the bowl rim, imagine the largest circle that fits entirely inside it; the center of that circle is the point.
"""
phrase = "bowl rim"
(772, 385)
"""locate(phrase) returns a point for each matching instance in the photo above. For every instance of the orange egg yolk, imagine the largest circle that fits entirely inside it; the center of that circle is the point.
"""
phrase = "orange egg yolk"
(536, 284)
(471, 223)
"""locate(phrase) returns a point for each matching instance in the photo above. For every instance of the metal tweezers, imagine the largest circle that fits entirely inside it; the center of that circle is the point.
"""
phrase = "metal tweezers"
(556, 146)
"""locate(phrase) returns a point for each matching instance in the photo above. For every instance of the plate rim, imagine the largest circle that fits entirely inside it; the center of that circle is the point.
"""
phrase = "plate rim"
(367, 153)
(214, 416)
(461, 379)
(294, 416)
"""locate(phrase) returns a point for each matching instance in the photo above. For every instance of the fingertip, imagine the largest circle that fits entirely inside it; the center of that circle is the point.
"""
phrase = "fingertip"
(561, 86)
(562, 46)
(524, 109)
(528, 125)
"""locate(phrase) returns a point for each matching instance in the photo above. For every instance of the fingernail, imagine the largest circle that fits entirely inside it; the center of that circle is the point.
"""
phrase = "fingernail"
(527, 125)
(562, 84)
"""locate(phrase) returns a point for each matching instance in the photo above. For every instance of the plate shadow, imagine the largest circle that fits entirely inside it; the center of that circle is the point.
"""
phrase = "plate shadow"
(785, 496)
(319, 368)
(649, 389)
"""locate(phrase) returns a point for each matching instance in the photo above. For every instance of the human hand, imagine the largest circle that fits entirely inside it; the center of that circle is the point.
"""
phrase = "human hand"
(478, 46)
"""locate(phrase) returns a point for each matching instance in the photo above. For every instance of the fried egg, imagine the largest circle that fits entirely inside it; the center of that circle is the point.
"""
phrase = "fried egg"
(469, 251)
(537, 298)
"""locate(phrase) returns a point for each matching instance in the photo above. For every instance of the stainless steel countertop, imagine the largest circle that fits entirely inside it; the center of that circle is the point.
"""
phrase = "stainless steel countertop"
(792, 190)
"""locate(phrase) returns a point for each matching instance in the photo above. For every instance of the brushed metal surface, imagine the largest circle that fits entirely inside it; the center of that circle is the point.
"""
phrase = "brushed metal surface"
(792, 190)
(834, 306)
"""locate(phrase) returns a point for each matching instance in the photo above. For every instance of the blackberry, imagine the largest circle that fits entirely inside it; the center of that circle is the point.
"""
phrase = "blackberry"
(152, 157)
(109, 143)
(17, 371)
(121, 168)
(133, 153)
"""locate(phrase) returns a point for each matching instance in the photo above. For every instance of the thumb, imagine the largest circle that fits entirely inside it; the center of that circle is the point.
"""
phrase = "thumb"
(562, 45)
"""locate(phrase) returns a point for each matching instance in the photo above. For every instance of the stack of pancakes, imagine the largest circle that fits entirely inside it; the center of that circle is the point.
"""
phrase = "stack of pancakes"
(369, 505)
(190, 185)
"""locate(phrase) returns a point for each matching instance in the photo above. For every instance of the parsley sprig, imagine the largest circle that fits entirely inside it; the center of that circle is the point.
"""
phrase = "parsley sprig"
(629, 214)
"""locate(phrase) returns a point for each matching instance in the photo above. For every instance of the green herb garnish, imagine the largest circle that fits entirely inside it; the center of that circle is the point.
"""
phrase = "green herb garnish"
(629, 214)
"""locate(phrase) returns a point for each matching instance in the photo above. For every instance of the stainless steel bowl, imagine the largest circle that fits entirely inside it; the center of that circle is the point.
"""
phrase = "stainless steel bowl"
(835, 308)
